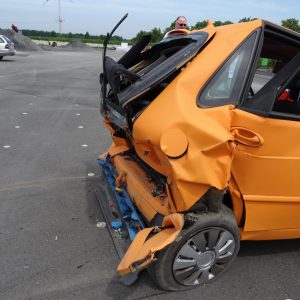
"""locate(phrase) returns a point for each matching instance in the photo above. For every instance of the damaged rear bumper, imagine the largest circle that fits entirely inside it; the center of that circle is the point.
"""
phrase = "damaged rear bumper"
(116, 202)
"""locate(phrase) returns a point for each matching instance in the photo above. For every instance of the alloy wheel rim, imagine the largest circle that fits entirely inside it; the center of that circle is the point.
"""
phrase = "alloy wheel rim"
(203, 256)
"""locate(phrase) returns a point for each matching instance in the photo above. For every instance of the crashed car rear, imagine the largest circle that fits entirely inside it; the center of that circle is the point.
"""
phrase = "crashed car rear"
(205, 150)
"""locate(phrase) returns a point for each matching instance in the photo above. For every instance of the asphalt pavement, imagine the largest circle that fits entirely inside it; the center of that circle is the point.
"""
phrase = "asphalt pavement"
(50, 246)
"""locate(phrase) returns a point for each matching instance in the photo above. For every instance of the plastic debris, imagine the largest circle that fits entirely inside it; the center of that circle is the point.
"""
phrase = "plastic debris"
(116, 225)
(101, 224)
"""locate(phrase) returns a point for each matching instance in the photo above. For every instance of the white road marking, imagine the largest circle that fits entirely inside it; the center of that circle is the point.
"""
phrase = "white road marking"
(84, 145)
(80, 126)
(6, 146)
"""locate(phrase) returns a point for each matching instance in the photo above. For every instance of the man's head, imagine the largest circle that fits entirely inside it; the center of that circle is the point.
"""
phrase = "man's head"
(181, 23)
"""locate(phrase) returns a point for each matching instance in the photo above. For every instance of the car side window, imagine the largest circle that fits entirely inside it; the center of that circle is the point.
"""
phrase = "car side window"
(1, 40)
(224, 88)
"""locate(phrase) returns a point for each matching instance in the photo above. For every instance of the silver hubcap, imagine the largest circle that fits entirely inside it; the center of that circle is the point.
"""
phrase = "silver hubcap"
(203, 256)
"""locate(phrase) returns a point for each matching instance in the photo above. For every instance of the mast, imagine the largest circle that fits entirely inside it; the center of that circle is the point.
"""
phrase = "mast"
(59, 16)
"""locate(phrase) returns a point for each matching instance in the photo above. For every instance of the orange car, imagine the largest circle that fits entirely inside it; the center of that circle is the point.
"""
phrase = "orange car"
(206, 148)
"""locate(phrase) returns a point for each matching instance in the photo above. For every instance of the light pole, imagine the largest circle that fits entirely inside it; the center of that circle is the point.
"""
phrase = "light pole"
(60, 20)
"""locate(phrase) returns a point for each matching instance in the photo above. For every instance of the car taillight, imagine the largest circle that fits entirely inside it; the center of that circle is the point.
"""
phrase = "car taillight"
(6, 46)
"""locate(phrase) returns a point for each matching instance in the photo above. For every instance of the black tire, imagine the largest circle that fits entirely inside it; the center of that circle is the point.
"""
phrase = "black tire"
(208, 232)
(1, 57)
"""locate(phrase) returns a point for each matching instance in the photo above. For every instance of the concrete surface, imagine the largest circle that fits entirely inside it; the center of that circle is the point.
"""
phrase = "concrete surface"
(50, 246)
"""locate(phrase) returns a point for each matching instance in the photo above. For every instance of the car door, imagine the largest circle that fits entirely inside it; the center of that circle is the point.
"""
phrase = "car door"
(266, 165)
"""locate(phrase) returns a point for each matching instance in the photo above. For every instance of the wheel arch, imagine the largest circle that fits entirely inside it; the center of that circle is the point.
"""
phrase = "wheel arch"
(213, 200)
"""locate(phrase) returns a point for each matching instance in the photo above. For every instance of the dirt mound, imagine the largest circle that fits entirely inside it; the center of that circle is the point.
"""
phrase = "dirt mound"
(77, 44)
(21, 42)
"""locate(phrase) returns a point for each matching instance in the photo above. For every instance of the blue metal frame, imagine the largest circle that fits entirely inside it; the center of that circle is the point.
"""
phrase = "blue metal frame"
(129, 214)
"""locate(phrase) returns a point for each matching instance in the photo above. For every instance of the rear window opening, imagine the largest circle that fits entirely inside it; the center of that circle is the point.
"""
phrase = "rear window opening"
(152, 60)
(137, 107)
(140, 76)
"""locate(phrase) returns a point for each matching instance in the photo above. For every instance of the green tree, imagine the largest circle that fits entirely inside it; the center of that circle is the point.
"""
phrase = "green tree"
(199, 25)
(118, 38)
(139, 35)
(169, 28)
(87, 35)
(292, 24)
(218, 23)
(227, 23)
(247, 19)
(156, 35)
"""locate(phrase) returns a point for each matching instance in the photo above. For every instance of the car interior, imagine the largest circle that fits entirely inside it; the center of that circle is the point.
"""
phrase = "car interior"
(276, 52)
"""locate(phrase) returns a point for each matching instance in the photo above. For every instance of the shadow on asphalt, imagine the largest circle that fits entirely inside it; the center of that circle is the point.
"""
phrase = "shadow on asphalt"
(7, 60)
(142, 288)
(92, 211)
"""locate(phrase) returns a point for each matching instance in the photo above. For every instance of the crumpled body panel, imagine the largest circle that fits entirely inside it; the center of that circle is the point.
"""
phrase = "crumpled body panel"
(142, 250)
(207, 160)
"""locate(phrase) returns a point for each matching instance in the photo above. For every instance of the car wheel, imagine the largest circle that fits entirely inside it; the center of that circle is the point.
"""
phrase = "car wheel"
(1, 57)
(199, 254)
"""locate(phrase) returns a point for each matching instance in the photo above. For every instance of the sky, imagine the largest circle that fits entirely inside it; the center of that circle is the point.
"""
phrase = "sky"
(100, 16)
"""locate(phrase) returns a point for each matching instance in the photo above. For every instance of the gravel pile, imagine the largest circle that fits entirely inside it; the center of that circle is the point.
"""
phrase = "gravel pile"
(21, 42)
(77, 44)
